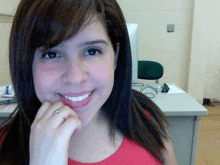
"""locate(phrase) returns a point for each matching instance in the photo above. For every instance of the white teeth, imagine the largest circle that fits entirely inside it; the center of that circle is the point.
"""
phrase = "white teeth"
(80, 98)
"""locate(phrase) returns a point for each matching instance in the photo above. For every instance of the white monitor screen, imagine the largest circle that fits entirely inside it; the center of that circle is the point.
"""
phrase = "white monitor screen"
(133, 35)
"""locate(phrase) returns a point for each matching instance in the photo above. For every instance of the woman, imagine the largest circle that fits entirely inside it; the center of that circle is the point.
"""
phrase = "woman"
(70, 64)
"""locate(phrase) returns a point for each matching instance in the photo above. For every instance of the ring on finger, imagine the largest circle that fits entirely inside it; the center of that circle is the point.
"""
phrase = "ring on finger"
(58, 112)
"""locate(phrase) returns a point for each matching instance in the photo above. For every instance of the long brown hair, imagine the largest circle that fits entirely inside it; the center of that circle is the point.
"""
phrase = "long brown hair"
(47, 23)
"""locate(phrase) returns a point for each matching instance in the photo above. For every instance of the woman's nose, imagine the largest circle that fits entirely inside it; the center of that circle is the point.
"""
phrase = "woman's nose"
(75, 72)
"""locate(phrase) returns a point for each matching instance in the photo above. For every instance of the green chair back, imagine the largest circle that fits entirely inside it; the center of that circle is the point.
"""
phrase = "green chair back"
(150, 70)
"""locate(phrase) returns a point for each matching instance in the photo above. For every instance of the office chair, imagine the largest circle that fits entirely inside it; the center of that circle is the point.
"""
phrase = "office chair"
(149, 70)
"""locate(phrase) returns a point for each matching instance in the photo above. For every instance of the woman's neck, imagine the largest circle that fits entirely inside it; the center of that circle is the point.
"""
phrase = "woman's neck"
(93, 143)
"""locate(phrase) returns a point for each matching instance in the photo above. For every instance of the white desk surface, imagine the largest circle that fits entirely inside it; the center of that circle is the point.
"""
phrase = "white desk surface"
(171, 104)
(180, 104)
(6, 111)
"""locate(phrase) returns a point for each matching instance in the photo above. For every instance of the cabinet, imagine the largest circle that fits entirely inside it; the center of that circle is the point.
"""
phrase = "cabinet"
(184, 114)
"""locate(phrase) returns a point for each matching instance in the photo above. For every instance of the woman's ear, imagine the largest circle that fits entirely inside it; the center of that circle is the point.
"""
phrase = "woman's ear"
(116, 53)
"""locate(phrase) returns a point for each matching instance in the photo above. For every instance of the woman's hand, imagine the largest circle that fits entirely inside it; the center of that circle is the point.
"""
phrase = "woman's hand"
(50, 134)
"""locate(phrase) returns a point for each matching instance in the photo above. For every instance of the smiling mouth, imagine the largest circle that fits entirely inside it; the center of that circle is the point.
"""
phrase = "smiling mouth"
(79, 98)
(77, 102)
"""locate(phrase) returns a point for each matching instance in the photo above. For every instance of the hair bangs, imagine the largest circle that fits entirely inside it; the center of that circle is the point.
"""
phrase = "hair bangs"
(57, 22)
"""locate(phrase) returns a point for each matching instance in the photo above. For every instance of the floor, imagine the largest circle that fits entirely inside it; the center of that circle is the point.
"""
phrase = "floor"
(208, 147)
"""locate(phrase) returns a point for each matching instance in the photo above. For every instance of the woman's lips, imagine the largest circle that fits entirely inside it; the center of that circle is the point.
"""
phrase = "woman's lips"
(78, 104)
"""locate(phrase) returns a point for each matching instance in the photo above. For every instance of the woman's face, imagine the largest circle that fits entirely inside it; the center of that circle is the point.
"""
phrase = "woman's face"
(79, 72)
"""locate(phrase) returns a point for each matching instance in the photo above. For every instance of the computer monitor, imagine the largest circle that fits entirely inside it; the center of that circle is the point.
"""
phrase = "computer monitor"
(133, 36)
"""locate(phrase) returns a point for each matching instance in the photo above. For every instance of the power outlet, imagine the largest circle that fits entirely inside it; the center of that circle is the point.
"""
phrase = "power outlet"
(170, 28)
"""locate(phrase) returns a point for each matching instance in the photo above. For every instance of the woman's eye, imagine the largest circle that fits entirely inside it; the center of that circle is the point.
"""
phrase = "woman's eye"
(92, 52)
(49, 55)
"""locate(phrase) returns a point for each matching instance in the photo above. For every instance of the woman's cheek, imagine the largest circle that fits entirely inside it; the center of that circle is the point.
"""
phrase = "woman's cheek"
(102, 71)
(46, 76)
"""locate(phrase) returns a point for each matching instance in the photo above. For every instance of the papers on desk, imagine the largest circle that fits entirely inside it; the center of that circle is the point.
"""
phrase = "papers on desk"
(174, 90)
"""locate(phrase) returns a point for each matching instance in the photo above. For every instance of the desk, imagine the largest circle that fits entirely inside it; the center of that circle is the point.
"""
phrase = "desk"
(183, 113)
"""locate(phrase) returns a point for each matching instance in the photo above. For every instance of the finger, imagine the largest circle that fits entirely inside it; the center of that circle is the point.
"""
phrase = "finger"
(46, 110)
(64, 113)
(70, 126)
(49, 112)
(42, 109)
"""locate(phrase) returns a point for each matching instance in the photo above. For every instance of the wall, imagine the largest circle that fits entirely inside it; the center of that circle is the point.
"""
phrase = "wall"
(172, 50)
(7, 9)
(5, 27)
(204, 74)
(208, 24)
(190, 55)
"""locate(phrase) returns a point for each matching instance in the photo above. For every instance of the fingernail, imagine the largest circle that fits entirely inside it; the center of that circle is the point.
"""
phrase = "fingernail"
(77, 131)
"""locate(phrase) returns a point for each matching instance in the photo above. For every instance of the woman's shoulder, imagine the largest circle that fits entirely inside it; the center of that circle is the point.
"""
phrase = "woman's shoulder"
(4, 130)
(148, 113)
(3, 133)
(2, 137)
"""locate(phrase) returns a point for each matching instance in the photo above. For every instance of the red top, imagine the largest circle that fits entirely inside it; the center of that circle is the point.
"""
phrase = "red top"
(1, 140)
(129, 153)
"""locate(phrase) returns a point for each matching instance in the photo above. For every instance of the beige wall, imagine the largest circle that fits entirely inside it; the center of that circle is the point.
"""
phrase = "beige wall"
(155, 44)
(5, 27)
(7, 10)
(8, 7)
(190, 55)
(207, 27)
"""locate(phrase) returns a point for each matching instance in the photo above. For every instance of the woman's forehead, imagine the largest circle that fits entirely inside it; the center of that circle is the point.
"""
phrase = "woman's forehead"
(92, 32)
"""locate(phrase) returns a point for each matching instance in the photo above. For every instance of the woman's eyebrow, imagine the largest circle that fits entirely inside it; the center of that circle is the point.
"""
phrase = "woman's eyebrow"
(94, 42)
